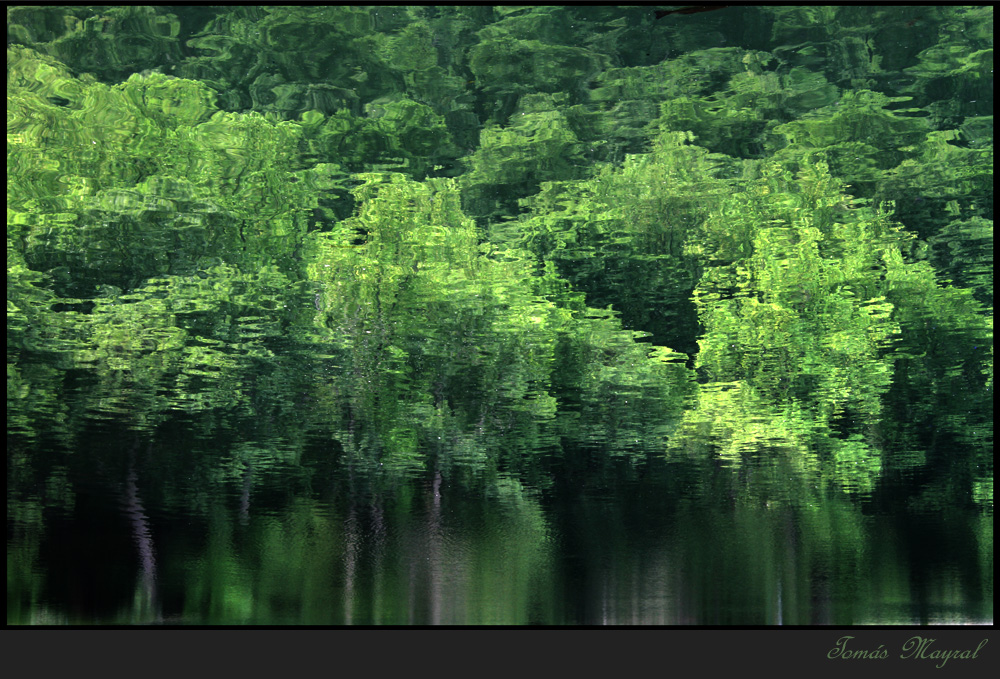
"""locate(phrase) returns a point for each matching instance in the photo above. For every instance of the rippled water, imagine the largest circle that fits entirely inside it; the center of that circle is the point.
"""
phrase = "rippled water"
(499, 316)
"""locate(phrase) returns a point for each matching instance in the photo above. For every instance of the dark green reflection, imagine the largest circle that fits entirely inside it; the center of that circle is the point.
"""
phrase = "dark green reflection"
(520, 315)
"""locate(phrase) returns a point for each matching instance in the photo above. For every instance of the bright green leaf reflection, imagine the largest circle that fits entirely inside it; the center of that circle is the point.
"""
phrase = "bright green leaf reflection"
(497, 250)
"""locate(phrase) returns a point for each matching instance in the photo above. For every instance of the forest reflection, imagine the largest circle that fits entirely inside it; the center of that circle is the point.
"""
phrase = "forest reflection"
(314, 546)
(468, 315)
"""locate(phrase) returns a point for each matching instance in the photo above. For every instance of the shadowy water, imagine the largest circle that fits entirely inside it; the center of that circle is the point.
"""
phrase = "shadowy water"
(574, 315)
(136, 534)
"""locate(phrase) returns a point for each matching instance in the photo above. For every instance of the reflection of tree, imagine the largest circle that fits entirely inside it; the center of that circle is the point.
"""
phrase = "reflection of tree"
(352, 544)
(435, 555)
(147, 607)
(452, 243)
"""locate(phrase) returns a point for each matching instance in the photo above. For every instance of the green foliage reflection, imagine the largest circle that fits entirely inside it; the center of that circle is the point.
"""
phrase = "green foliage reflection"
(457, 240)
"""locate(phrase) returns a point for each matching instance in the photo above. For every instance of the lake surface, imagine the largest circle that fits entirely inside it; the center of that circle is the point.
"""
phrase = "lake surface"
(140, 536)
(500, 316)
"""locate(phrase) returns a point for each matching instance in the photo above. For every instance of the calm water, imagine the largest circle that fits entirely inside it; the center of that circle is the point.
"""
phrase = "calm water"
(480, 316)
(139, 535)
